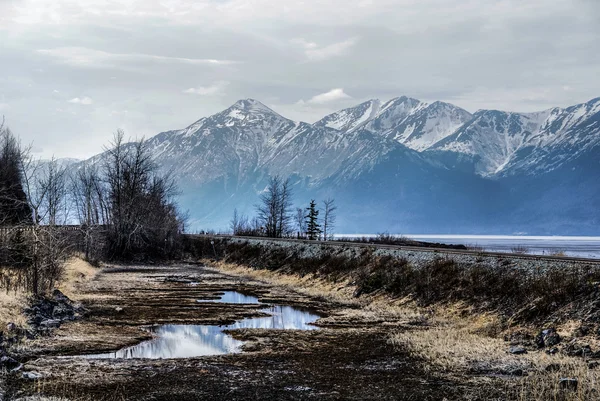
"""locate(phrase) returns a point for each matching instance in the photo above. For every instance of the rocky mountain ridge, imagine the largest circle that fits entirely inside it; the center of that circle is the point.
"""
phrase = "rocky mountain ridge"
(401, 165)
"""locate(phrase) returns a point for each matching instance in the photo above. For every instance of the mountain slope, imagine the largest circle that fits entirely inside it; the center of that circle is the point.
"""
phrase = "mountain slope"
(398, 166)
(497, 143)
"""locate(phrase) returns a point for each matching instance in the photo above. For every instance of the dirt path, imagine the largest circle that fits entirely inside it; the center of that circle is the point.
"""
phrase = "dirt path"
(350, 357)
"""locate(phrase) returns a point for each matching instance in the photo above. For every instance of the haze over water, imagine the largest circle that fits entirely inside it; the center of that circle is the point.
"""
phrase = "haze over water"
(583, 247)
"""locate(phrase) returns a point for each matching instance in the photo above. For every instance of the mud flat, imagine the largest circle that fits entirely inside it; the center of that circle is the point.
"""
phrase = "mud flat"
(350, 356)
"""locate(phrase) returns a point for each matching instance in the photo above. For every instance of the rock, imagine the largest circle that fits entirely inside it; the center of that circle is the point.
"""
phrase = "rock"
(118, 309)
(579, 350)
(593, 364)
(31, 375)
(552, 351)
(517, 350)
(553, 367)
(58, 296)
(8, 363)
(582, 331)
(50, 323)
(568, 384)
(586, 351)
(11, 327)
(517, 372)
(63, 311)
(547, 338)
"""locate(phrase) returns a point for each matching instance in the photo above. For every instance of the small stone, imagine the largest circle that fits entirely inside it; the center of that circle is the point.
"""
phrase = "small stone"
(586, 350)
(552, 339)
(568, 384)
(50, 323)
(11, 327)
(31, 375)
(517, 350)
(58, 296)
(547, 338)
(552, 351)
(8, 363)
(118, 309)
(517, 372)
(593, 364)
(553, 367)
(581, 331)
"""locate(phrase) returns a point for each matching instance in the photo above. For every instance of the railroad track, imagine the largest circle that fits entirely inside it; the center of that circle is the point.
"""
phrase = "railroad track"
(567, 259)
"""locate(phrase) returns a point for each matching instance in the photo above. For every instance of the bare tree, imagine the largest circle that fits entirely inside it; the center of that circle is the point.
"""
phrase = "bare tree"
(285, 209)
(329, 217)
(274, 210)
(88, 194)
(300, 220)
(42, 248)
(240, 224)
(234, 224)
(51, 191)
(144, 220)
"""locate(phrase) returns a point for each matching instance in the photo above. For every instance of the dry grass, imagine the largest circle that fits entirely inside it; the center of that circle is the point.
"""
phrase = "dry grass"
(456, 347)
(309, 285)
(12, 303)
(366, 308)
(451, 338)
(11, 306)
(77, 272)
(457, 350)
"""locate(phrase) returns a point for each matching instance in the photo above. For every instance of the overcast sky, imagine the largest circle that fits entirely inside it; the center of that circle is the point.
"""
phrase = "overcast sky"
(73, 71)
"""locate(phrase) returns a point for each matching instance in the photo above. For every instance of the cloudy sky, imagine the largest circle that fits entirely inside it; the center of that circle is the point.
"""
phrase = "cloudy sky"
(73, 71)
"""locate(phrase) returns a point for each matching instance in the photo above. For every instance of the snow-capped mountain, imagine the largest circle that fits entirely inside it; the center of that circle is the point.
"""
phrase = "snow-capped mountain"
(415, 124)
(249, 138)
(503, 143)
(350, 119)
(401, 165)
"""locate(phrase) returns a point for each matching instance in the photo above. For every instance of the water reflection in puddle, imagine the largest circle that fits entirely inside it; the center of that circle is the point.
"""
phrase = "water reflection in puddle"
(188, 341)
(233, 297)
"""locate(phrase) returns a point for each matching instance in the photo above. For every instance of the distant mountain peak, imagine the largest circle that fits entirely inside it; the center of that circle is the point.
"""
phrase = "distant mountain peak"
(251, 105)
(351, 118)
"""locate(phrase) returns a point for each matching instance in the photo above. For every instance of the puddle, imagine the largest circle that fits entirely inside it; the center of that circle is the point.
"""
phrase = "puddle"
(188, 341)
(233, 297)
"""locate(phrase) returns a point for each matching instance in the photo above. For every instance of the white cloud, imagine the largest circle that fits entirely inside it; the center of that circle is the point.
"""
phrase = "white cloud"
(334, 50)
(215, 89)
(90, 58)
(304, 43)
(327, 97)
(83, 100)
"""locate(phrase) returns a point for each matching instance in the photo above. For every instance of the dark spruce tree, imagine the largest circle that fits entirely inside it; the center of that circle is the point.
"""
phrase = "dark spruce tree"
(313, 228)
(14, 207)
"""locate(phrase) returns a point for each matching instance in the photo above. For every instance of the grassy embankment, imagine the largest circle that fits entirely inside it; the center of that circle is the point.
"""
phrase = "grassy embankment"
(467, 314)
(13, 302)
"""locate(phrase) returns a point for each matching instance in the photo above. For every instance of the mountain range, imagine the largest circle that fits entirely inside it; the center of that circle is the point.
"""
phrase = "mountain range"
(402, 166)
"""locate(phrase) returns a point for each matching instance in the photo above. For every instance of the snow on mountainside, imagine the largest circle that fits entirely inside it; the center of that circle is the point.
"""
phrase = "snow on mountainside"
(413, 123)
(348, 120)
(401, 165)
(249, 139)
(565, 136)
(502, 143)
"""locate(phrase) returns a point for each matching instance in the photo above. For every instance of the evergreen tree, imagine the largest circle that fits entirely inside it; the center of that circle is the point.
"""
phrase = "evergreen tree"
(313, 229)
(14, 208)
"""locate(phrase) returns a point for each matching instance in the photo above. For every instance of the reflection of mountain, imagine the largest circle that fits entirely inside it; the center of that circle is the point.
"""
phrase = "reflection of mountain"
(233, 297)
(180, 341)
(188, 341)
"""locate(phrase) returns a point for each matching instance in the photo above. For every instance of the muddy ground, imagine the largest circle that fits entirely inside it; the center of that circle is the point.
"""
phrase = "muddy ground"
(348, 358)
